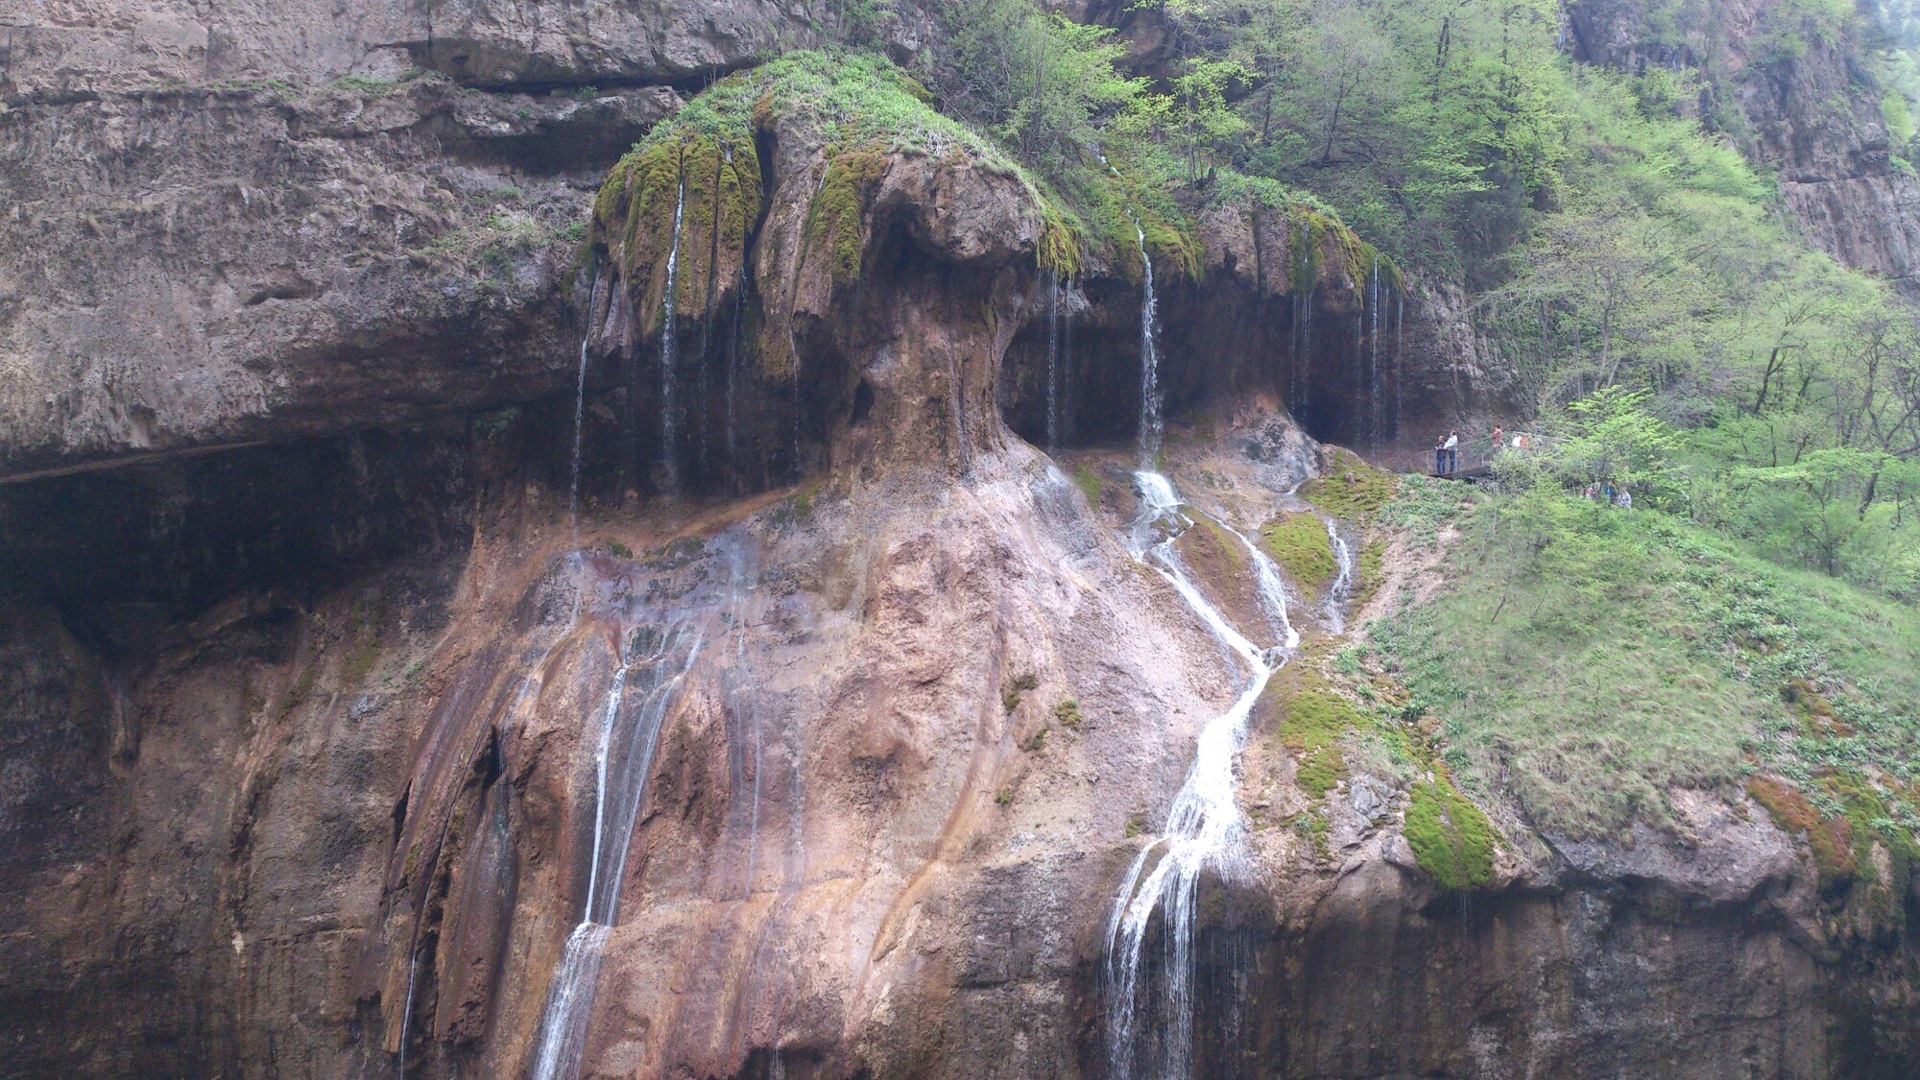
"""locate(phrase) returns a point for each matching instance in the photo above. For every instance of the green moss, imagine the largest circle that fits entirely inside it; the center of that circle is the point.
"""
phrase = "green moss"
(1317, 828)
(1313, 722)
(1300, 545)
(836, 217)
(718, 177)
(1829, 840)
(361, 662)
(301, 690)
(1089, 483)
(1350, 489)
(856, 109)
(1451, 839)
(1372, 571)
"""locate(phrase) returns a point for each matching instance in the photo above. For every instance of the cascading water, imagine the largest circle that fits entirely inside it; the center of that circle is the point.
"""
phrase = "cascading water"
(1399, 351)
(1053, 361)
(744, 705)
(580, 411)
(669, 451)
(733, 374)
(1150, 421)
(1306, 384)
(1340, 593)
(1374, 418)
(622, 759)
(1204, 827)
(1066, 365)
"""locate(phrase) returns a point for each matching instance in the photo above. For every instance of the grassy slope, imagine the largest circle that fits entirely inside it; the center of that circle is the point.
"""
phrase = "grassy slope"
(1599, 658)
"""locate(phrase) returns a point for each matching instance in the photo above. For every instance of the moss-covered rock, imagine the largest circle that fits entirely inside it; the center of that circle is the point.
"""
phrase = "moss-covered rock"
(1300, 545)
(1313, 723)
(714, 181)
(1451, 839)
(1349, 488)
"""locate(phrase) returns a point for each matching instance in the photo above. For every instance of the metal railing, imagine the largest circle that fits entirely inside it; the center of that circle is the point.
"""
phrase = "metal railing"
(1473, 458)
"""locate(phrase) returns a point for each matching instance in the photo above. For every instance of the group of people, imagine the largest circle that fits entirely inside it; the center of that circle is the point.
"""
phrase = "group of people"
(1446, 449)
(1615, 494)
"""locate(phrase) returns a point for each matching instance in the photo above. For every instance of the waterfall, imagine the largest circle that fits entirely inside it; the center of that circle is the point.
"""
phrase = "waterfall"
(1066, 366)
(1340, 593)
(1150, 421)
(669, 462)
(580, 410)
(742, 701)
(1399, 352)
(406, 1012)
(1301, 368)
(1306, 384)
(1203, 828)
(1373, 392)
(1053, 361)
(623, 757)
(733, 374)
(1293, 355)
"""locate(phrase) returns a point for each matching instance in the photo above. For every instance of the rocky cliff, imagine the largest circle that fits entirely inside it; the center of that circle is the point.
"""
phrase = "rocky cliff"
(435, 529)
(1792, 85)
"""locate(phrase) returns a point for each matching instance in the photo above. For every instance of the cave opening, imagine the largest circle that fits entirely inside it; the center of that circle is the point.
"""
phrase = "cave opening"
(1073, 380)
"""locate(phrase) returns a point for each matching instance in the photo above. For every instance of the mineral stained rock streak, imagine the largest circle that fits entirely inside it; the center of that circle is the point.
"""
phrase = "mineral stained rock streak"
(744, 708)
(1204, 829)
(669, 425)
(654, 665)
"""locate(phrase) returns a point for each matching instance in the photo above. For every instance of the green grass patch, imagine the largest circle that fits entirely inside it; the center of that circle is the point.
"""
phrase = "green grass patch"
(1010, 694)
(1300, 545)
(1423, 506)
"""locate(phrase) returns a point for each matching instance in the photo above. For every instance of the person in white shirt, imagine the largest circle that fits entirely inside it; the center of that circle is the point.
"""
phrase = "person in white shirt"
(1453, 451)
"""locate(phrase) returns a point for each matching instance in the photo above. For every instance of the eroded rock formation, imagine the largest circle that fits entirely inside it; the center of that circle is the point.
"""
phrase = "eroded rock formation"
(304, 741)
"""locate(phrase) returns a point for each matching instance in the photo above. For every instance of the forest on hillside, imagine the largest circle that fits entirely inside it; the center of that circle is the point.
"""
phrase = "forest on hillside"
(1631, 269)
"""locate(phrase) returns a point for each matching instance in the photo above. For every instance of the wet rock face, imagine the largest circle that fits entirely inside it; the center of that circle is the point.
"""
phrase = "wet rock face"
(299, 740)
(1343, 343)
(1814, 117)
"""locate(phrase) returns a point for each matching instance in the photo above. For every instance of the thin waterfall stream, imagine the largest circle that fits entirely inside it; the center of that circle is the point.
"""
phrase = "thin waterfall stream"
(580, 411)
(669, 452)
(1053, 362)
(1340, 593)
(1150, 419)
(1375, 420)
(1204, 826)
(623, 757)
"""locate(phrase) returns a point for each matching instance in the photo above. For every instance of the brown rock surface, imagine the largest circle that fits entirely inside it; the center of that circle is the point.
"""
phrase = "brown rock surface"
(300, 740)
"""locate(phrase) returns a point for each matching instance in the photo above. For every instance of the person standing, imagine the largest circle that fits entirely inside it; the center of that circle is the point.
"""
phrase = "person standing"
(1439, 455)
(1452, 446)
